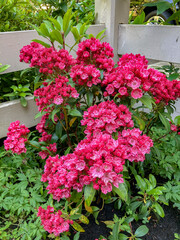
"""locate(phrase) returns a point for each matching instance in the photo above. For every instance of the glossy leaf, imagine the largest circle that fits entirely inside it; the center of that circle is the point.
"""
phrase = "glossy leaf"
(164, 121)
(121, 191)
(84, 219)
(141, 231)
(89, 193)
(78, 227)
(159, 209)
(75, 113)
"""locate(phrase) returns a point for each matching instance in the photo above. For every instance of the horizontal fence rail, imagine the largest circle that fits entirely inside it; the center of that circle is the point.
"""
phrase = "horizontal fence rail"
(12, 42)
(155, 42)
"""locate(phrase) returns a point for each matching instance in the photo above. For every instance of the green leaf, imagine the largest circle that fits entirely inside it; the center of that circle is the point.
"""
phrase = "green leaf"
(89, 193)
(75, 113)
(141, 231)
(159, 209)
(84, 219)
(42, 43)
(164, 121)
(58, 129)
(121, 191)
(75, 33)
(141, 183)
(40, 114)
(36, 144)
(44, 30)
(139, 19)
(60, 21)
(122, 237)
(56, 23)
(177, 120)
(4, 68)
(152, 180)
(140, 122)
(56, 36)
(66, 20)
(23, 101)
(173, 76)
(115, 231)
(163, 6)
(76, 236)
(77, 227)
(90, 97)
(98, 36)
(147, 101)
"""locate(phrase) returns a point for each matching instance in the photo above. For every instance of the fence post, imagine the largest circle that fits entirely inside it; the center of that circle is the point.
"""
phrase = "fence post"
(111, 13)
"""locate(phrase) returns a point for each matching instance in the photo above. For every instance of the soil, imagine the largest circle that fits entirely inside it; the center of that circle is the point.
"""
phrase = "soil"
(162, 229)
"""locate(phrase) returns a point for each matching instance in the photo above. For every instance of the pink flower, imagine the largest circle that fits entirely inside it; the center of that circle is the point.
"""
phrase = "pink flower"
(136, 93)
(16, 138)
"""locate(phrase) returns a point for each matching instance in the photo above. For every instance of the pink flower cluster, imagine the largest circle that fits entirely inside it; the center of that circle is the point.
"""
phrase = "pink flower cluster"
(85, 75)
(161, 88)
(106, 117)
(53, 222)
(135, 144)
(16, 138)
(48, 60)
(55, 92)
(99, 160)
(132, 78)
(92, 51)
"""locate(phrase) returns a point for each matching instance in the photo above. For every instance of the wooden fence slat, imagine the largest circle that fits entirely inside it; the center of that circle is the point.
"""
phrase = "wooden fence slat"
(155, 42)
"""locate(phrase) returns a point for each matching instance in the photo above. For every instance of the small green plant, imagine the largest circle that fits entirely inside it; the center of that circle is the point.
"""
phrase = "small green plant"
(121, 225)
(19, 92)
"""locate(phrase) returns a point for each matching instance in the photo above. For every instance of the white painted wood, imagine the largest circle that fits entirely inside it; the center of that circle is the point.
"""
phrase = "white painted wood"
(12, 111)
(155, 42)
(111, 13)
(12, 42)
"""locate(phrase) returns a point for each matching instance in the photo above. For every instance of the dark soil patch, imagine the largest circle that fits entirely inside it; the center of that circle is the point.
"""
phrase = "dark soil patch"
(163, 229)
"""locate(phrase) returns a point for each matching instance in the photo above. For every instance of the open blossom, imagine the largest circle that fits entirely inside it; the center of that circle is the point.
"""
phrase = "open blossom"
(133, 78)
(53, 222)
(56, 92)
(85, 75)
(16, 138)
(106, 117)
(48, 60)
(135, 145)
(92, 51)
